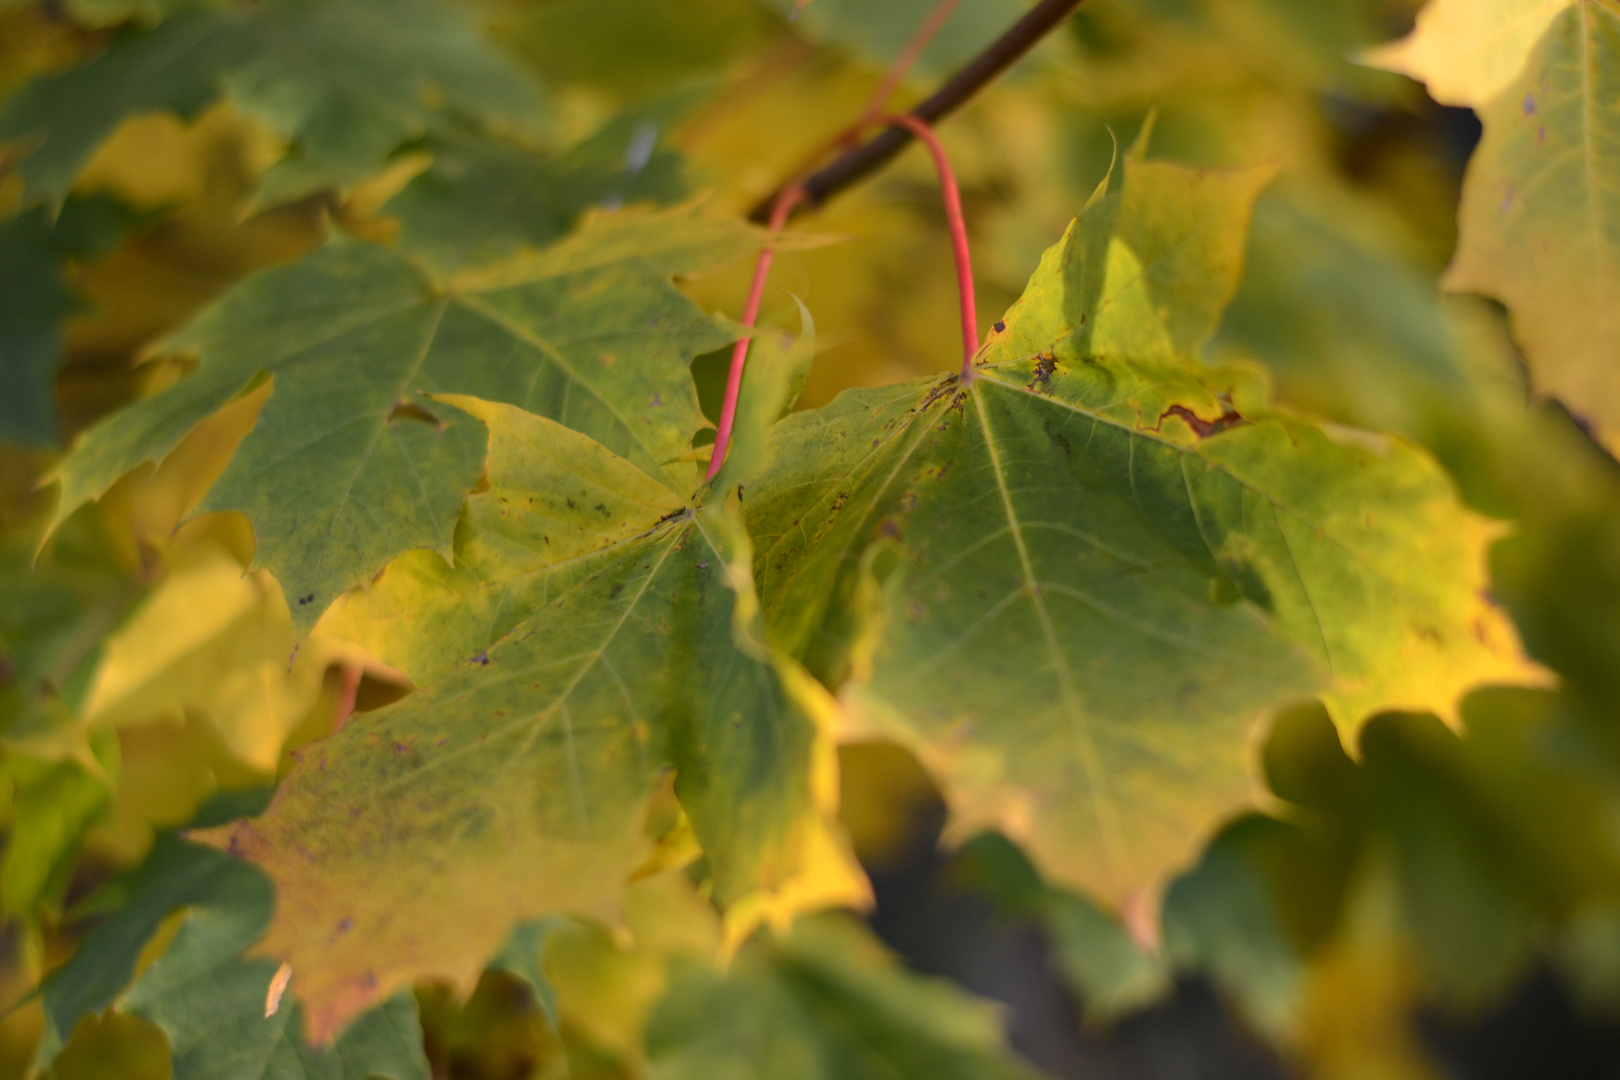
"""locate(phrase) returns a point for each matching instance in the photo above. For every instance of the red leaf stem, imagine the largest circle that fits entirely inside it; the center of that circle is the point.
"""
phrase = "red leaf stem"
(791, 195)
(958, 226)
(785, 202)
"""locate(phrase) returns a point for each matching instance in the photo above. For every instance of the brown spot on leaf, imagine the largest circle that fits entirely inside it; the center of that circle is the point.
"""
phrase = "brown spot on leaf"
(1045, 364)
(409, 410)
(1201, 427)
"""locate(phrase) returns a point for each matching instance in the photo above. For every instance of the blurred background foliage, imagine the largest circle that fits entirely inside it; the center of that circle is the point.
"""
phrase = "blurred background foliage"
(1427, 903)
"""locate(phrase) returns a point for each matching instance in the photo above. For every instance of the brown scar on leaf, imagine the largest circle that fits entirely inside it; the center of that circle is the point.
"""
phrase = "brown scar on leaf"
(1201, 427)
(940, 389)
(409, 410)
(1045, 364)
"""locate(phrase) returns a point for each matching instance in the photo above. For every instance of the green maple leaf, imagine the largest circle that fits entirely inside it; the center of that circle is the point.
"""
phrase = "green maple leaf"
(346, 82)
(1074, 582)
(348, 465)
(614, 623)
(206, 997)
(826, 1002)
(484, 199)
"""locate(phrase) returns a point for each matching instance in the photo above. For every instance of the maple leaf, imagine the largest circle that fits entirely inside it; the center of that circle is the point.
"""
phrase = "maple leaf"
(38, 298)
(346, 82)
(215, 640)
(1539, 225)
(1073, 582)
(1467, 51)
(484, 199)
(209, 1001)
(348, 466)
(615, 628)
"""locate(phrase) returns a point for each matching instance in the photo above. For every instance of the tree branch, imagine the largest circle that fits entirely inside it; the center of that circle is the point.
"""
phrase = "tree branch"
(856, 164)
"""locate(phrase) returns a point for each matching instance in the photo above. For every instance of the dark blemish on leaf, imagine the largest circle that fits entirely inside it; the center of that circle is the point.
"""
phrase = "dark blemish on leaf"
(943, 387)
(571, 505)
(401, 748)
(838, 503)
(405, 410)
(1045, 364)
(1201, 427)
(482, 659)
(1000, 326)
(441, 740)
(310, 599)
(603, 510)
(890, 528)
(1529, 105)
(1507, 200)
(703, 566)
(657, 401)
(617, 589)
(908, 501)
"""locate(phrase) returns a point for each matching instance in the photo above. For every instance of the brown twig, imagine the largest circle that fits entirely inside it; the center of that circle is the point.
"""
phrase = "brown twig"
(859, 162)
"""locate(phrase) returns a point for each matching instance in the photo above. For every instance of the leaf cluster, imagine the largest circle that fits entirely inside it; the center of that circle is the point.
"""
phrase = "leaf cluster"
(1247, 606)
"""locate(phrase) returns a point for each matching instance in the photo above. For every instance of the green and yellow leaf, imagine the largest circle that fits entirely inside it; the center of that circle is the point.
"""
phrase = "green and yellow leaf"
(1013, 565)
(345, 82)
(219, 1011)
(338, 481)
(596, 633)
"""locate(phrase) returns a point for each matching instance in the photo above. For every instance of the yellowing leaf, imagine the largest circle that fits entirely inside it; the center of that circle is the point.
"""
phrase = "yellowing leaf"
(1540, 217)
(208, 1000)
(212, 638)
(595, 634)
(1468, 51)
(1073, 583)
